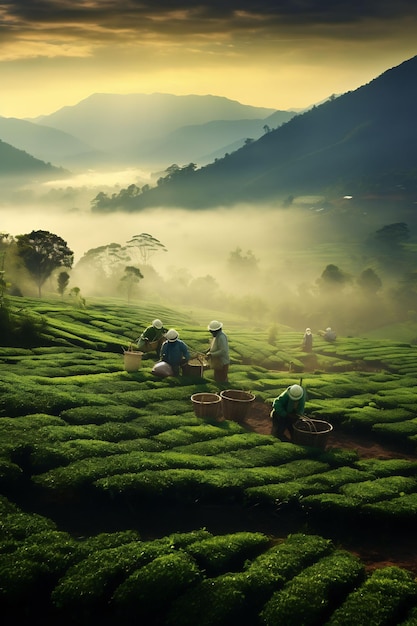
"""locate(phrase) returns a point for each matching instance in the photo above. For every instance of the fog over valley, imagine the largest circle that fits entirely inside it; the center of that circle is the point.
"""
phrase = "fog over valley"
(300, 219)
(268, 262)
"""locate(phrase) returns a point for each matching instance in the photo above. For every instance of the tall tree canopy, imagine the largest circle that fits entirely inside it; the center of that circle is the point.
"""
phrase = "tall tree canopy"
(42, 252)
(147, 245)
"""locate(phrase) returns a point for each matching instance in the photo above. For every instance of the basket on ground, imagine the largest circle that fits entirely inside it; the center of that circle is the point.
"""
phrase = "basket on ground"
(132, 360)
(195, 367)
(149, 346)
(312, 432)
(236, 404)
(207, 405)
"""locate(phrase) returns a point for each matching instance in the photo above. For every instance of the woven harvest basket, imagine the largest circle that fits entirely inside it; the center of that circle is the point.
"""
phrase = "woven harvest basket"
(312, 432)
(207, 405)
(236, 404)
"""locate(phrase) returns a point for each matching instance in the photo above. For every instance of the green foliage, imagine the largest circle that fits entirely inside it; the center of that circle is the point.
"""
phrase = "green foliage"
(42, 252)
(18, 525)
(217, 601)
(379, 489)
(76, 429)
(381, 599)
(95, 578)
(100, 414)
(307, 598)
(217, 555)
(20, 327)
(271, 570)
(149, 591)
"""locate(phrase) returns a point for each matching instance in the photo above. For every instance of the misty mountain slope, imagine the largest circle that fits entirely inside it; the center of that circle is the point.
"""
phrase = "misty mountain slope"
(16, 163)
(357, 138)
(195, 142)
(48, 144)
(133, 123)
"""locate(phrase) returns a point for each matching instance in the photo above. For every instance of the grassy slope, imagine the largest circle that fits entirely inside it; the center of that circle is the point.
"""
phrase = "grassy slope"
(74, 424)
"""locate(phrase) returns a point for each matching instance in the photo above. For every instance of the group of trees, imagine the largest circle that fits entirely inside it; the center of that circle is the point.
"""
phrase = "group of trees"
(127, 198)
(335, 297)
(39, 256)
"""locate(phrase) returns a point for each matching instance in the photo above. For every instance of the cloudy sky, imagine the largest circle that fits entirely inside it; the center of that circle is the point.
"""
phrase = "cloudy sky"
(283, 54)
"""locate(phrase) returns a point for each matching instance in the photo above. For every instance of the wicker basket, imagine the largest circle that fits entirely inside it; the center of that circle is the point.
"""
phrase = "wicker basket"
(236, 404)
(195, 367)
(207, 405)
(132, 360)
(312, 432)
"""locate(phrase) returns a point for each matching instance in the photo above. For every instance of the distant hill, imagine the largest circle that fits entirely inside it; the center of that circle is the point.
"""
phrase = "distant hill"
(202, 143)
(138, 128)
(362, 138)
(48, 144)
(17, 163)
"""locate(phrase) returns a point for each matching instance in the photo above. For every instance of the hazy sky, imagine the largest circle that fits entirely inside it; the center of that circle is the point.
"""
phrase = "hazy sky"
(282, 54)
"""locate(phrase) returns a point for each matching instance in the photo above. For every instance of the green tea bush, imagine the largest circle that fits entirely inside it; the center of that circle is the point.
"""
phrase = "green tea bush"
(87, 587)
(18, 525)
(10, 474)
(225, 444)
(46, 457)
(94, 579)
(35, 565)
(309, 597)
(225, 553)
(274, 454)
(100, 414)
(146, 595)
(397, 432)
(304, 485)
(382, 599)
(387, 467)
(185, 435)
(396, 511)
(331, 504)
(130, 468)
(380, 488)
(217, 601)
(104, 541)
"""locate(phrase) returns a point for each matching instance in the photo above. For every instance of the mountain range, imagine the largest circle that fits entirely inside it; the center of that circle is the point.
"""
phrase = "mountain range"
(364, 139)
(15, 163)
(139, 130)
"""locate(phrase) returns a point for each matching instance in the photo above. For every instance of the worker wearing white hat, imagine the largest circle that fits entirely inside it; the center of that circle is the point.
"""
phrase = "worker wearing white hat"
(152, 337)
(286, 409)
(219, 352)
(174, 351)
(307, 344)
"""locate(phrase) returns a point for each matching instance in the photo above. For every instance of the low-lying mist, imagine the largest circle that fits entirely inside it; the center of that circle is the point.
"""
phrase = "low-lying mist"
(265, 262)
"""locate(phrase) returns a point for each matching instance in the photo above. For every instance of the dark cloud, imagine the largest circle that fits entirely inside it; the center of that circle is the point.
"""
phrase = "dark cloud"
(188, 15)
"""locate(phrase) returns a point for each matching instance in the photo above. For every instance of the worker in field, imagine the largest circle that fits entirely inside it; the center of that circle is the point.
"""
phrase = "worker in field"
(328, 335)
(307, 344)
(286, 410)
(218, 352)
(152, 337)
(174, 351)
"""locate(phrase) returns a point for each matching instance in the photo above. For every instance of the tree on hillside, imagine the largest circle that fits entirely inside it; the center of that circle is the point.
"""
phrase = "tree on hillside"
(104, 261)
(146, 245)
(42, 252)
(131, 277)
(333, 278)
(243, 263)
(77, 298)
(63, 280)
(369, 281)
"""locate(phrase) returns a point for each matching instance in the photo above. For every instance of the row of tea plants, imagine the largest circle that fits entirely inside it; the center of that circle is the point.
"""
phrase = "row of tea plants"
(90, 454)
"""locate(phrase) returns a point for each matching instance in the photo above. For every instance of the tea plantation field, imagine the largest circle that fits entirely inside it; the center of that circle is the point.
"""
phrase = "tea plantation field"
(120, 506)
